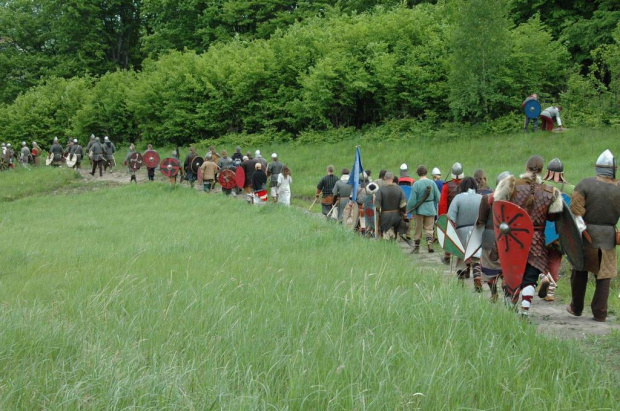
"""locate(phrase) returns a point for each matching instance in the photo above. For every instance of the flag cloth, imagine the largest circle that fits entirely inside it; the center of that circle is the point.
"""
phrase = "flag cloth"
(356, 170)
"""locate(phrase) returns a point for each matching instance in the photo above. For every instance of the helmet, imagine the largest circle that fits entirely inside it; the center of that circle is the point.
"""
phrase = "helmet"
(555, 165)
(55, 139)
(436, 172)
(502, 176)
(105, 138)
(23, 143)
(606, 164)
(274, 155)
(92, 136)
(75, 140)
(257, 153)
(457, 170)
(403, 167)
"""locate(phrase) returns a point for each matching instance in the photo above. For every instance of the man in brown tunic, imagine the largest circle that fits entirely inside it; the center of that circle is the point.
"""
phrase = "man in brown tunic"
(209, 171)
(596, 206)
(391, 204)
(541, 202)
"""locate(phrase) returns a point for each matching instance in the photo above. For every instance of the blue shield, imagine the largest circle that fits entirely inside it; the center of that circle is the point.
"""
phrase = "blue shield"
(532, 109)
(551, 234)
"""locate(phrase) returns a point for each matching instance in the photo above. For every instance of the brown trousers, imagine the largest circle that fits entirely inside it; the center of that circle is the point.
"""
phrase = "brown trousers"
(426, 223)
(579, 282)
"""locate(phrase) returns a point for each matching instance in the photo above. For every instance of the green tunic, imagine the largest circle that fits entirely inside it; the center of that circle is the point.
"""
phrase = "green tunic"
(429, 206)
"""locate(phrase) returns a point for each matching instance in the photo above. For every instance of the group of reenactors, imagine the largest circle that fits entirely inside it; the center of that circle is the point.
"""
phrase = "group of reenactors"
(518, 232)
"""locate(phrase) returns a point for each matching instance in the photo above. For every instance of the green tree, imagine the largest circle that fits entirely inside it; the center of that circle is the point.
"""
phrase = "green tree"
(480, 44)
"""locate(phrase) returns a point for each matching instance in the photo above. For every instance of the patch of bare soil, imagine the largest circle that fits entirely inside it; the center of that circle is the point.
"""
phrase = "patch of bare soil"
(550, 317)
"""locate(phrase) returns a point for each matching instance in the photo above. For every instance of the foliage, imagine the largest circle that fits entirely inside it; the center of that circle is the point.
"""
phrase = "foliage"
(142, 316)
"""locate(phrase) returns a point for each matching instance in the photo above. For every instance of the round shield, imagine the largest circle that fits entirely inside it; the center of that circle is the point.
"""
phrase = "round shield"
(170, 167)
(71, 160)
(532, 109)
(135, 161)
(49, 159)
(227, 179)
(150, 158)
(240, 177)
(196, 163)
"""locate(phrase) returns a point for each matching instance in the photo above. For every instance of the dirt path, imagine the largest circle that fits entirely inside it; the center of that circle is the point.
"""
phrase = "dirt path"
(550, 317)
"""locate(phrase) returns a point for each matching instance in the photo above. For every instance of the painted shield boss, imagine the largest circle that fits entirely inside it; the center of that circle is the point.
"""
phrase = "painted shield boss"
(514, 232)
(196, 163)
(150, 158)
(570, 238)
(227, 179)
(135, 161)
(169, 167)
(532, 109)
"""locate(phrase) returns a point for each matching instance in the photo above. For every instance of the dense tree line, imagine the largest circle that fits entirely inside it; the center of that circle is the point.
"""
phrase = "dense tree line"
(180, 71)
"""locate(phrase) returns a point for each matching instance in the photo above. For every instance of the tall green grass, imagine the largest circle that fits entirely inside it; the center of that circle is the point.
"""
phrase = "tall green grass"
(22, 182)
(153, 297)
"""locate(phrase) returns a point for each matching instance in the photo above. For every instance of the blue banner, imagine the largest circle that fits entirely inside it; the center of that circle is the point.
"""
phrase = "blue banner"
(356, 170)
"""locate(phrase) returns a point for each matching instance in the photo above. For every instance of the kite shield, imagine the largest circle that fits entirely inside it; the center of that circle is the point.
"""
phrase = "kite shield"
(150, 158)
(239, 177)
(135, 161)
(570, 238)
(514, 232)
(49, 159)
(170, 167)
(227, 179)
(71, 160)
(447, 237)
(532, 109)
(474, 243)
(196, 163)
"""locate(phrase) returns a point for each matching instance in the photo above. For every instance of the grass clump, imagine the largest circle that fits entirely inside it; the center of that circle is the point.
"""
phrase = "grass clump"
(23, 182)
(156, 297)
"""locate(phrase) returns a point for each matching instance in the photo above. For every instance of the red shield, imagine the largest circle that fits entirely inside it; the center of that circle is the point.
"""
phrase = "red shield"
(135, 161)
(513, 233)
(170, 167)
(240, 177)
(227, 179)
(151, 158)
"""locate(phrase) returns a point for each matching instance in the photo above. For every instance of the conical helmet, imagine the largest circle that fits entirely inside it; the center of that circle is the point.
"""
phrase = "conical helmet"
(457, 170)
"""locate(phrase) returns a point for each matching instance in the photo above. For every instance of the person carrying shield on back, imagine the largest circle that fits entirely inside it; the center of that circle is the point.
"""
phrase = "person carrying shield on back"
(531, 97)
(391, 204)
(36, 153)
(56, 151)
(542, 203)
(463, 212)
(132, 171)
(109, 148)
(489, 257)
(548, 281)
(96, 157)
(596, 206)
(78, 151)
(24, 155)
(342, 191)
(150, 171)
(449, 190)
(187, 166)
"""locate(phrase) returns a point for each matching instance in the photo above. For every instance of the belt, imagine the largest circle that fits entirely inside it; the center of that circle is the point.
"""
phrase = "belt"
(539, 228)
(465, 225)
(390, 211)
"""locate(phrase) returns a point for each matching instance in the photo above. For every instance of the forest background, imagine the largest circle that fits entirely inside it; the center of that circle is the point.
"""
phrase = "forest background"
(182, 71)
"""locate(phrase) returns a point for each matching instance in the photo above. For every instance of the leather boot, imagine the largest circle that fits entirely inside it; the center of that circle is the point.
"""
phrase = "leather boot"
(416, 247)
(429, 243)
(477, 284)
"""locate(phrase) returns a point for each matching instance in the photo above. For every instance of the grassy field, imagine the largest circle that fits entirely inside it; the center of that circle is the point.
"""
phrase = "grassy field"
(23, 182)
(152, 297)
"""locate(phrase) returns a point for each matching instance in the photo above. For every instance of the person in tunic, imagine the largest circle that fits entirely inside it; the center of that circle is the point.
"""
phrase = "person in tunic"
(237, 155)
(109, 148)
(78, 151)
(463, 212)
(436, 173)
(259, 181)
(273, 171)
(481, 182)
(56, 151)
(422, 205)
(548, 282)
(187, 166)
(342, 192)
(391, 204)
(36, 153)
(97, 157)
(527, 119)
(209, 171)
(284, 186)
(596, 205)
(150, 171)
(542, 203)
(449, 190)
(132, 172)
(24, 155)
(91, 141)
(489, 259)
(548, 115)
(325, 190)
(249, 166)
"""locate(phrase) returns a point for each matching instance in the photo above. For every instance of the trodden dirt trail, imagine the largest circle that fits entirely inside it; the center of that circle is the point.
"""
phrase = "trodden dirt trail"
(550, 317)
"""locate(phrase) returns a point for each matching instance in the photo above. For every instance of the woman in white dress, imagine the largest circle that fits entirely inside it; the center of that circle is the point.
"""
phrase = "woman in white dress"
(284, 186)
